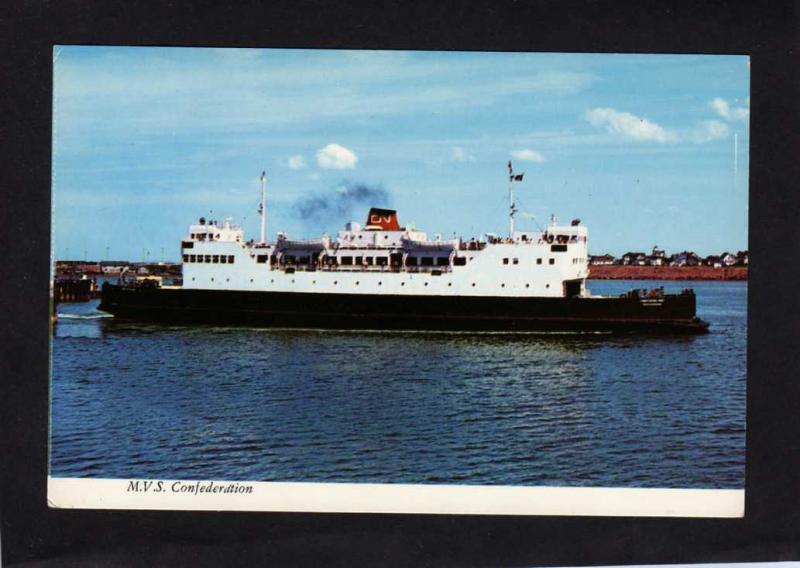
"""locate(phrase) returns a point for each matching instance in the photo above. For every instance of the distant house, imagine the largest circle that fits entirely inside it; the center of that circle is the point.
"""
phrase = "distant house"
(634, 259)
(657, 258)
(742, 258)
(727, 259)
(713, 260)
(685, 258)
(602, 260)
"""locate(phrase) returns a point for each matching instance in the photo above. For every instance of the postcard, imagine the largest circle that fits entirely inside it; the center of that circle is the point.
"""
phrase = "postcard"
(399, 281)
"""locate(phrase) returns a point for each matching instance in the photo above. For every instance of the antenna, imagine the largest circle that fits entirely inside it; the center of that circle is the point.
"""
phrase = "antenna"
(735, 160)
(263, 209)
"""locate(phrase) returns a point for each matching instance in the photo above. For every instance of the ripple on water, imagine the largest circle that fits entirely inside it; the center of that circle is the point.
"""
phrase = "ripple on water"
(137, 401)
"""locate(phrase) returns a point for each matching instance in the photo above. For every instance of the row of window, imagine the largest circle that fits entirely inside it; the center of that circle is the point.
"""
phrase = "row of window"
(578, 260)
(209, 258)
(336, 282)
(538, 261)
(367, 260)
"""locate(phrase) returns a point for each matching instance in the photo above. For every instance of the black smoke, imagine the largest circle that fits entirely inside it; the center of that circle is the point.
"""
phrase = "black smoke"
(345, 202)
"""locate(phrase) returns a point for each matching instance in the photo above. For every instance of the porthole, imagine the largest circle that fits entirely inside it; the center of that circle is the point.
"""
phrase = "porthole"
(473, 284)
(335, 282)
(251, 280)
(292, 280)
(502, 285)
(272, 281)
(527, 285)
(449, 283)
(356, 282)
(547, 285)
(402, 283)
(227, 280)
(426, 283)
(379, 283)
(313, 281)
(192, 278)
(212, 279)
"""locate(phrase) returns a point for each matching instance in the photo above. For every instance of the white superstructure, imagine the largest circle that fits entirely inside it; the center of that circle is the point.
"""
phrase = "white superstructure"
(384, 258)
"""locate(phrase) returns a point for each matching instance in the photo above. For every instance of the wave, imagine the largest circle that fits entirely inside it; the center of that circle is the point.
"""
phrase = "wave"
(83, 317)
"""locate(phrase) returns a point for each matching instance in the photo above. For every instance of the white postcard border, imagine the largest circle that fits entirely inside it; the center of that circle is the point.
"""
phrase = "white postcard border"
(193, 495)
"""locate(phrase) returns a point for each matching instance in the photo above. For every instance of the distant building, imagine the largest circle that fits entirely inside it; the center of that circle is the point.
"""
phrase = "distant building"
(685, 258)
(713, 261)
(657, 258)
(727, 259)
(602, 260)
(742, 258)
(113, 266)
(634, 259)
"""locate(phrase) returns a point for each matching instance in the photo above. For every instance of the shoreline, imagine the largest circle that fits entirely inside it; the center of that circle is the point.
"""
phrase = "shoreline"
(618, 272)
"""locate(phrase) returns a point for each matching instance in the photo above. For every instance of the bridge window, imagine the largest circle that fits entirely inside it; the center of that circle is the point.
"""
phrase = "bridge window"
(230, 259)
(427, 261)
(215, 259)
(186, 258)
(369, 260)
(538, 261)
(505, 261)
(516, 261)
(552, 261)
(411, 261)
(199, 258)
(382, 260)
(223, 259)
(358, 260)
(262, 259)
(208, 258)
(192, 258)
(347, 261)
(459, 261)
(442, 261)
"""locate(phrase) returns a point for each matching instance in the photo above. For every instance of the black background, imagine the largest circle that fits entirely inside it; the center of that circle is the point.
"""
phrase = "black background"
(771, 529)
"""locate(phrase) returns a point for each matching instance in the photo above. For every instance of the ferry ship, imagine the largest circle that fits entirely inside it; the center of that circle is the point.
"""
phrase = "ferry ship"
(385, 276)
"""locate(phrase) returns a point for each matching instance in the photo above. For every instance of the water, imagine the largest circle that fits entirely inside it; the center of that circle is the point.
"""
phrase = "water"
(132, 400)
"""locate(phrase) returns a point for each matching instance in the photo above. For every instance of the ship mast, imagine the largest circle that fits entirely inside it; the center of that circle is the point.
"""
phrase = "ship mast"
(511, 205)
(263, 209)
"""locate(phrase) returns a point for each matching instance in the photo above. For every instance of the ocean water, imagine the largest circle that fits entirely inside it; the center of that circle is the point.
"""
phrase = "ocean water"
(144, 401)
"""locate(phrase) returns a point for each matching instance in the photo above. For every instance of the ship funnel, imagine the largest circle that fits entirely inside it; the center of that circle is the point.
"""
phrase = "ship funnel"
(382, 220)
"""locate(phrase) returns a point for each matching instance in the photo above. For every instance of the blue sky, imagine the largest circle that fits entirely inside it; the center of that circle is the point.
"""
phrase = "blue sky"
(639, 147)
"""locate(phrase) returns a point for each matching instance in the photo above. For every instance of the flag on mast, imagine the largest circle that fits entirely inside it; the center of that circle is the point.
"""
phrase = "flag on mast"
(511, 175)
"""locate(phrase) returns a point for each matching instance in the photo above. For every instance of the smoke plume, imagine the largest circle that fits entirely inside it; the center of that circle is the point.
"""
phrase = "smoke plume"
(344, 203)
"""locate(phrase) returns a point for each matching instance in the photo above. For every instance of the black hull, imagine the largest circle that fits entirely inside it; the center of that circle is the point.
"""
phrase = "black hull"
(669, 314)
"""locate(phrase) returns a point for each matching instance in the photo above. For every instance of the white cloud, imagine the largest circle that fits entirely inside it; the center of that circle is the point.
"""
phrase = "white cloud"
(629, 125)
(460, 155)
(722, 108)
(708, 130)
(528, 155)
(336, 157)
(297, 162)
